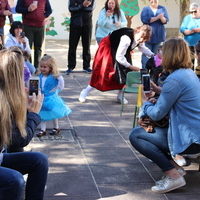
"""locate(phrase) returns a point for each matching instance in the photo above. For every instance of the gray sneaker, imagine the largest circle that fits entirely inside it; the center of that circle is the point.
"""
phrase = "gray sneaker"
(181, 171)
(168, 184)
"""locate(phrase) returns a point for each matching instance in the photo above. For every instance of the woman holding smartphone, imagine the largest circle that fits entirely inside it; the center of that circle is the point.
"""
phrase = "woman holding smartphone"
(17, 37)
(111, 17)
(18, 124)
(179, 100)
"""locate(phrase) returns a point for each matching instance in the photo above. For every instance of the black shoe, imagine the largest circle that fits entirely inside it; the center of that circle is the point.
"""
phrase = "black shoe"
(87, 70)
(69, 71)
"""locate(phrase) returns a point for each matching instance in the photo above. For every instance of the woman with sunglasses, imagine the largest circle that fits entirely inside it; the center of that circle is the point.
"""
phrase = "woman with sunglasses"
(111, 17)
(190, 27)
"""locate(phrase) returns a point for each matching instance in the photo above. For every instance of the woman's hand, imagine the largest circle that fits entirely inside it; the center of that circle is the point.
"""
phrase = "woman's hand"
(22, 40)
(34, 103)
(118, 24)
(155, 88)
(134, 68)
(32, 7)
(86, 3)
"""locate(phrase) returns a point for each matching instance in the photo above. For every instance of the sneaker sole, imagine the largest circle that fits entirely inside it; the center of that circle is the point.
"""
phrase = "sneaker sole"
(173, 188)
(82, 101)
(86, 71)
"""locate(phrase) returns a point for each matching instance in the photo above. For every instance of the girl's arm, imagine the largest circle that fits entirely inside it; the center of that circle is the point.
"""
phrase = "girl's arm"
(142, 48)
(61, 83)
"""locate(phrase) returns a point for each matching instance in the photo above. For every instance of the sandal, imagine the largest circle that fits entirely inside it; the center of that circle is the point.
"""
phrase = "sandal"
(55, 131)
(41, 133)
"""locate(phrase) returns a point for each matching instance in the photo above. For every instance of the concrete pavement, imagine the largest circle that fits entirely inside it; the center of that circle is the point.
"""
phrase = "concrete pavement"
(92, 158)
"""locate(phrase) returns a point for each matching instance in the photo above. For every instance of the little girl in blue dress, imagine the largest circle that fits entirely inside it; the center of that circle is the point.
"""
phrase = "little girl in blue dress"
(51, 83)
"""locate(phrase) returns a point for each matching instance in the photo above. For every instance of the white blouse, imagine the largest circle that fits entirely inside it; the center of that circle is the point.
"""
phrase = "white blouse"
(125, 42)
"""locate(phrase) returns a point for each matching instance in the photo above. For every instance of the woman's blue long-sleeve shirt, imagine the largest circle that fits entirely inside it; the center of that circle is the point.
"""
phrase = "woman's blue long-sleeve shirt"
(189, 23)
(180, 97)
(106, 25)
(158, 28)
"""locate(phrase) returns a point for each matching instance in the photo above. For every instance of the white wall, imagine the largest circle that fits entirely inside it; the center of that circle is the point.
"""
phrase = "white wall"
(60, 9)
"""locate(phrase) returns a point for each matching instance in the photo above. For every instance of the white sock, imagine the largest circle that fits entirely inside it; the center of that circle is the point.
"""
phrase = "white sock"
(88, 89)
(55, 123)
(43, 126)
(119, 94)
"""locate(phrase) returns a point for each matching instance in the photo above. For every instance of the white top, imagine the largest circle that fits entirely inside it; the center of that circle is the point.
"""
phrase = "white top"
(11, 41)
(125, 42)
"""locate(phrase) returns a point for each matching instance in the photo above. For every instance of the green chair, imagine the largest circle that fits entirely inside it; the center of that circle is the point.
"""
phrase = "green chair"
(133, 80)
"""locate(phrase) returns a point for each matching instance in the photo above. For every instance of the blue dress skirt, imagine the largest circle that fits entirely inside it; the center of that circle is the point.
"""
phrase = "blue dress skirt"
(53, 107)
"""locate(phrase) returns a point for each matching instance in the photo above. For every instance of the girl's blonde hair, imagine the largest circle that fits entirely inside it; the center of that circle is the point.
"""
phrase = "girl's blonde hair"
(12, 94)
(176, 54)
(50, 61)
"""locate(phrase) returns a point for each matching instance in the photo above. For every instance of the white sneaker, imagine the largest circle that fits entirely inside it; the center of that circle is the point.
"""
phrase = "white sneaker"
(119, 98)
(168, 184)
(83, 95)
(181, 171)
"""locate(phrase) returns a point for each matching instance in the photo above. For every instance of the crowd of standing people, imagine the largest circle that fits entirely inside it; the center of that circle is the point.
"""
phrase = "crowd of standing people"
(116, 42)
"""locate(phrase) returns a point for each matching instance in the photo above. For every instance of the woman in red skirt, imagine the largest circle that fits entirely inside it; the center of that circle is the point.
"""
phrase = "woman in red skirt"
(116, 49)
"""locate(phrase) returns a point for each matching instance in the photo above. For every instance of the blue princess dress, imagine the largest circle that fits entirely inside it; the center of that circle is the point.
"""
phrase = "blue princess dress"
(53, 106)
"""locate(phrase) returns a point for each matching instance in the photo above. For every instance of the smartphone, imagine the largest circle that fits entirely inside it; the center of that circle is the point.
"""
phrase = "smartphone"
(35, 2)
(143, 71)
(146, 83)
(33, 86)
(22, 34)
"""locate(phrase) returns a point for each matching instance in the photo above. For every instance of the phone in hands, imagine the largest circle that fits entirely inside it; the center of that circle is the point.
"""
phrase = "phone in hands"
(33, 86)
(146, 83)
(22, 34)
(35, 2)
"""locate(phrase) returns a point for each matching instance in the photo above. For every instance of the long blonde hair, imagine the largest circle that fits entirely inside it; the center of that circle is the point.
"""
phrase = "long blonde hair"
(50, 61)
(12, 94)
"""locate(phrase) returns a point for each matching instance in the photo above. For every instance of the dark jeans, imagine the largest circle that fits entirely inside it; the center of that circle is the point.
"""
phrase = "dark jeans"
(153, 146)
(35, 36)
(75, 34)
(12, 169)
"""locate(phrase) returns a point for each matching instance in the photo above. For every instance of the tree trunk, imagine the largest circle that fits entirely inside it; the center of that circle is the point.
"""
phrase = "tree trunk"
(129, 20)
(184, 9)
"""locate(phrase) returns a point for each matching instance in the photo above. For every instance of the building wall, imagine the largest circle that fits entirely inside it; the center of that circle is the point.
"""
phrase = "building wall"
(60, 11)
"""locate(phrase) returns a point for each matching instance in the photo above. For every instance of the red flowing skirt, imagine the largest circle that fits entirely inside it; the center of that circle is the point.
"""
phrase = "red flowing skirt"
(103, 68)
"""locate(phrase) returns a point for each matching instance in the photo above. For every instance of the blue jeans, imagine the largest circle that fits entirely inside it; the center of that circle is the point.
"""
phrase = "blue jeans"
(154, 48)
(12, 169)
(98, 39)
(2, 31)
(153, 146)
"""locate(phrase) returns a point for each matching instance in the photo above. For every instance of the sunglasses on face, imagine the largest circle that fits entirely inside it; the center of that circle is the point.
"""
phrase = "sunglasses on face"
(113, 18)
(194, 11)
